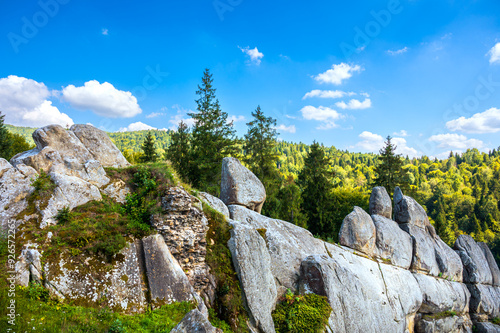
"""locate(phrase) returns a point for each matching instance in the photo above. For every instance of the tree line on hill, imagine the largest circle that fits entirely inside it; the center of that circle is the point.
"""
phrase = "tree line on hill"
(315, 186)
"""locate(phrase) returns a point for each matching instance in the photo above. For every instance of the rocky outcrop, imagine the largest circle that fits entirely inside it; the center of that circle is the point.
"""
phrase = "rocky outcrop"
(455, 324)
(358, 232)
(195, 322)
(100, 146)
(487, 328)
(117, 190)
(239, 186)
(392, 244)
(484, 304)
(495, 272)
(407, 210)
(476, 268)
(380, 202)
(28, 267)
(215, 203)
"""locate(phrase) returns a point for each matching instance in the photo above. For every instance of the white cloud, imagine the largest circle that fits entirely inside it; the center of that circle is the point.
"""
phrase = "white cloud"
(484, 122)
(254, 54)
(355, 104)
(374, 142)
(180, 116)
(494, 54)
(398, 52)
(155, 114)
(327, 94)
(401, 133)
(284, 128)
(455, 141)
(105, 31)
(321, 113)
(235, 119)
(138, 126)
(24, 102)
(338, 73)
(102, 99)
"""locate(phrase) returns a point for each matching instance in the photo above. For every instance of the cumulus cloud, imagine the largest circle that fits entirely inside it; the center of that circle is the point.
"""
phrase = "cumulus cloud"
(374, 142)
(327, 115)
(180, 116)
(455, 141)
(138, 126)
(401, 133)
(483, 122)
(155, 114)
(338, 73)
(284, 128)
(494, 54)
(254, 54)
(355, 104)
(398, 52)
(235, 119)
(102, 99)
(24, 102)
(327, 94)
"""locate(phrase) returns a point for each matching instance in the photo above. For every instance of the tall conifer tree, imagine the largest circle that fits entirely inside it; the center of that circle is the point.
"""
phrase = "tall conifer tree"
(5, 139)
(149, 149)
(178, 153)
(390, 169)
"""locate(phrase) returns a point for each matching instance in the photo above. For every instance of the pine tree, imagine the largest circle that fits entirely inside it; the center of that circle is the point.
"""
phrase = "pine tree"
(178, 153)
(213, 137)
(5, 140)
(390, 169)
(443, 227)
(290, 201)
(316, 184)
(149, 149)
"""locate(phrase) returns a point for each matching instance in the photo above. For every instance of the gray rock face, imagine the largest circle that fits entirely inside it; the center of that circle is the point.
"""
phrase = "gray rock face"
(195, 322)
(358, 232)
(432, 256)
(100, 146)
(28, 267)
(239, 186)
(476, 268)
(487, 328)
(357, 289)
(380, 202)
(15, 186)
(117, 190)
(451, 324)
(166, 279)
(407, 210)
(215, 203)
(495, 272)
(440, 295)
(176, 200)
(392, 243)
(485, 301)
(287, 244)
(253, 265)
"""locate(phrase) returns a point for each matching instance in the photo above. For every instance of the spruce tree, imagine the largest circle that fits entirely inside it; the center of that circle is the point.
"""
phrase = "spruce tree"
(316, 184)
(178, 153)
(5, 140)
(213, 137)
(390, 169)
(149, 149)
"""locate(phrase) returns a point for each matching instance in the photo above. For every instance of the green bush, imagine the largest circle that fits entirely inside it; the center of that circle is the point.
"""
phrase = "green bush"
(301, 314)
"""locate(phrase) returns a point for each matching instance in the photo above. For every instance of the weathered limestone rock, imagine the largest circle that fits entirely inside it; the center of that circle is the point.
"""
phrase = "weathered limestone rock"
(450, 324)
(358, 290)
(195, 322)
(358, 232)
(117, 190)
(100, 146)
(215, 203)
(166, 279)
(380, 202)
(392, 244)
(15, 186)
(28, 267)
(407, 210)
(253, 265)
(176, 200)
(239, 186)
(487, 327)
(287, 244)
(476, 268)
(441, 295)
(485, 301)
(495, 272)
(121, 287)
(432, 256)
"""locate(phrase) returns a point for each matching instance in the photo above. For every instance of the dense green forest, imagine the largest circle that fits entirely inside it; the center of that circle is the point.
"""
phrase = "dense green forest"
(461, 193)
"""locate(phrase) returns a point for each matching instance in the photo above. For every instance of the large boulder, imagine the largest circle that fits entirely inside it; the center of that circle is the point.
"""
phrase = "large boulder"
(358, 232)
(476, 268)
(195, 322)
(487, 327)
(449, 324)
(485, 301)
(366, 296)
(392, 244)
(215, 203)
(239, 186)
(100, 146)
(495, 272)
(253, 265)
(407, 210)
(380, 202)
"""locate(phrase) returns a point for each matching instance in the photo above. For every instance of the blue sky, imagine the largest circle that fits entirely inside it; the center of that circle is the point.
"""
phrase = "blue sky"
(343, 73)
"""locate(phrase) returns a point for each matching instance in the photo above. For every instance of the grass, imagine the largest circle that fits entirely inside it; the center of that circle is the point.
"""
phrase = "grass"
(496, 321)
(441, 315)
